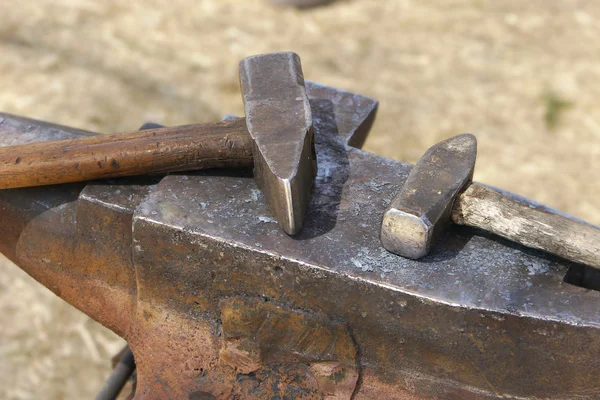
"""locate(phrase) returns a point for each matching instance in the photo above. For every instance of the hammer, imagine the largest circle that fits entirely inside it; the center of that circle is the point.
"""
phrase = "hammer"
(439, 190)
(276, 137)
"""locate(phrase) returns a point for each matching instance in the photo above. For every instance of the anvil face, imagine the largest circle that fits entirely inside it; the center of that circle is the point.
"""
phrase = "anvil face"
(215, 300)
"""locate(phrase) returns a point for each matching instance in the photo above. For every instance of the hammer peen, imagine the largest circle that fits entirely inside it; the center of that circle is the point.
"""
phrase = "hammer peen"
(439, 190)
(276, 137)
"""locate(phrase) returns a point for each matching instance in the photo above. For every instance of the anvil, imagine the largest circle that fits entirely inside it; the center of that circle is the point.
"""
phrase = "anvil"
(216, 302)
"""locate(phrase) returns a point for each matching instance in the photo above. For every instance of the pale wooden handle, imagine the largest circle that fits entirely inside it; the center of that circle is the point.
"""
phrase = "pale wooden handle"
(527, 223)
(152, 151)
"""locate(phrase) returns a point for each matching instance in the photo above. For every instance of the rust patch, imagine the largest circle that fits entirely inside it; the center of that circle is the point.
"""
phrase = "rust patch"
(260, 350)
(263, 334)
(242, 355)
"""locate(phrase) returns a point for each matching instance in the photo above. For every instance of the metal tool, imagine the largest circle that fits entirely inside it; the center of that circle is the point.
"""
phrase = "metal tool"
(217, 302)
(280, 144)
(439, 190)
(280, 123)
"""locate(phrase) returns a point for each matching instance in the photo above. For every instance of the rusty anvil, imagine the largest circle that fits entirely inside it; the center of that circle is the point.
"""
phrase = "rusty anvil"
(217, 302)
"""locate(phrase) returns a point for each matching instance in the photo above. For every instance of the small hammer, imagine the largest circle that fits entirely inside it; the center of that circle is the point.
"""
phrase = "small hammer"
(276, 137)
(439, 190)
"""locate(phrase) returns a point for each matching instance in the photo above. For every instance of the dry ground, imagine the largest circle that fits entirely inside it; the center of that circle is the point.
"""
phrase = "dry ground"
(523, 76)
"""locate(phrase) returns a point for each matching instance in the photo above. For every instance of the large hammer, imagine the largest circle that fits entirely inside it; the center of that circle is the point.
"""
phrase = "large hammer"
(439, 190)
(276, 137)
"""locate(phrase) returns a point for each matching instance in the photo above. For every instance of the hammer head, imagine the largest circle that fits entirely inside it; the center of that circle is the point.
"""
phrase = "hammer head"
(279, 120)
(419, 213)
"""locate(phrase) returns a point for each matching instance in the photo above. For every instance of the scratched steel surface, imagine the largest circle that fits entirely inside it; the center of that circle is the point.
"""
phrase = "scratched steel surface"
(469, 269)
(164, 264)
(456, 315)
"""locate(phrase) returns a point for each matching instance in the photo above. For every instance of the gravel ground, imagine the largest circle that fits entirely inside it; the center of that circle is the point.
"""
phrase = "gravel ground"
(523, 76)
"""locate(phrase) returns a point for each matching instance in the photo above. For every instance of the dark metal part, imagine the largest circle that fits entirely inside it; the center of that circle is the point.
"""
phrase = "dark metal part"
(419, 214)
(118, 378)
(279, 120)
(216, 302)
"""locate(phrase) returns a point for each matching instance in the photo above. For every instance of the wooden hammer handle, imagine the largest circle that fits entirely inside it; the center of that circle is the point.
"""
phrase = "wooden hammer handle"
(182, 148)
(535, 226)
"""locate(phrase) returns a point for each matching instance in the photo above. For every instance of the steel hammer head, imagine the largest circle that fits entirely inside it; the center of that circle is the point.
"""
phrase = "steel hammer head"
(279, 120)
(419, 213)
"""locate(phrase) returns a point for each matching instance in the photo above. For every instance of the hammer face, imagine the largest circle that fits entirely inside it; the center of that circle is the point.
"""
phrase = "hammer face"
(287, 198)
(279, 119)
(406, 234)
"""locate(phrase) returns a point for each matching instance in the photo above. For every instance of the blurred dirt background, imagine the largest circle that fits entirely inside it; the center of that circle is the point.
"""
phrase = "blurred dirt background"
(523, 76)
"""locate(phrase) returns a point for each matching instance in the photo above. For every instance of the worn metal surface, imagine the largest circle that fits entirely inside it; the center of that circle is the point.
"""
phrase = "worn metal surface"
(214, 281)
(279, 120)
(420, 213)
(433, 196)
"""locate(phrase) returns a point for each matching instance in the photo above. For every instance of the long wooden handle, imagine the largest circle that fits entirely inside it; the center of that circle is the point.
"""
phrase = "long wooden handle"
(529, 224)
(182, 148)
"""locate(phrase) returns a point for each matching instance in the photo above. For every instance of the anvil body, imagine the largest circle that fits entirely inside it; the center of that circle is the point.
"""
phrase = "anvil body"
(214, 300)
